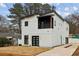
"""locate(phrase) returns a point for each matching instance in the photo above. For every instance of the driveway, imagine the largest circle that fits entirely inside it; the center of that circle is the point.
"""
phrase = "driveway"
(60, 51)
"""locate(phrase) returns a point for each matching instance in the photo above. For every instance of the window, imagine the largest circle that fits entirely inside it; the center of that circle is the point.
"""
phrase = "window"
(54, 23)
(26, 23)
(26, 39)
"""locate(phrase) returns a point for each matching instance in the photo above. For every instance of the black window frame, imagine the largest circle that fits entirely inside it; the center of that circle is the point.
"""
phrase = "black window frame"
(26, 23)
(26, 37)
(35, 40)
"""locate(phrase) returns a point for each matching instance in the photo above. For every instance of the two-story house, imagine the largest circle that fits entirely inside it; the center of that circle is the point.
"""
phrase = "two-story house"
(44, 30)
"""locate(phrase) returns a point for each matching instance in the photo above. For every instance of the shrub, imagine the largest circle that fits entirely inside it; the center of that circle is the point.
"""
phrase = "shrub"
(4, 42)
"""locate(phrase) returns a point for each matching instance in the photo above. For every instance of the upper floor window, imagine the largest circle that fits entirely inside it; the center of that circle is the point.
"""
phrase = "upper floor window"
(54, 23)
(26, 23)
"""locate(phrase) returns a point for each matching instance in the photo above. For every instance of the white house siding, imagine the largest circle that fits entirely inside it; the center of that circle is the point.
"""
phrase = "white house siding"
(60, 30)
(47, 37)
(32, 30)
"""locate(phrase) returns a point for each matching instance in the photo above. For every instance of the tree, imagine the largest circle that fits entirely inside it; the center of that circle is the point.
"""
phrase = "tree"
(17, 12)
(4, 41)
(21, 10)
(46, 8)
(73, 21)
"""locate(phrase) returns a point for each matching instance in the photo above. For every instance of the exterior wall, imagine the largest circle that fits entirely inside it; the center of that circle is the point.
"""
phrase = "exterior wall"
(47, 37)
(60, 31)
(65, 31)
(45, 41)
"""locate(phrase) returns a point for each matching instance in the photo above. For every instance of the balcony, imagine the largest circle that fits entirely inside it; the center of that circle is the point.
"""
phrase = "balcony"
(45, 22)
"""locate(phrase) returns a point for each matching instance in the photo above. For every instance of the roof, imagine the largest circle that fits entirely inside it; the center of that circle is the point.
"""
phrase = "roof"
(47, 14)
(27, 16)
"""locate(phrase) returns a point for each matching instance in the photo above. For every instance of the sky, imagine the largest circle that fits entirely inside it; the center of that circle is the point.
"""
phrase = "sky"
(63, 9)
(4, 9)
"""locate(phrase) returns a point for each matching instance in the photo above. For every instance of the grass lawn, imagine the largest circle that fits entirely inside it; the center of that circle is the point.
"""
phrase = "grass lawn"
(21, 51)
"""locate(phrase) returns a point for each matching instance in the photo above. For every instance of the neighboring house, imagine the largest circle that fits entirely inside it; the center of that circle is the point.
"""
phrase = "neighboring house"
(44, 31)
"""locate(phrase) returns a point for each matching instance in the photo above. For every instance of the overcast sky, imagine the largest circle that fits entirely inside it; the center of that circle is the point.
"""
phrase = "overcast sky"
(63, 9)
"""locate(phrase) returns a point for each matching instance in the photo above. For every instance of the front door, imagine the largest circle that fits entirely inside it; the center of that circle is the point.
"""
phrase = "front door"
(35, 40)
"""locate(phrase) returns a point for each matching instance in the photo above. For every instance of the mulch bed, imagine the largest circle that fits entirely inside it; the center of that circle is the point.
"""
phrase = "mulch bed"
(76, 53)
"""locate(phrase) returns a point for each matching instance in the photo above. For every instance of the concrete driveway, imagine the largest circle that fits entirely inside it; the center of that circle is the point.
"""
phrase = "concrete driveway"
(60, 51)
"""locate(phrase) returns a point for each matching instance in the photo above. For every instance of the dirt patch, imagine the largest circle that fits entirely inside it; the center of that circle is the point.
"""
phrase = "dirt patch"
(76, 53)
(21, 51)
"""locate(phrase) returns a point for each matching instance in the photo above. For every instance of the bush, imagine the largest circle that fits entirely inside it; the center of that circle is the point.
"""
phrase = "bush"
(4, 42)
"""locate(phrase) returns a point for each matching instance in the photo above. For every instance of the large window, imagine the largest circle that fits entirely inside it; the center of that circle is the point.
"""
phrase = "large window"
(45, 22)
(25, 39)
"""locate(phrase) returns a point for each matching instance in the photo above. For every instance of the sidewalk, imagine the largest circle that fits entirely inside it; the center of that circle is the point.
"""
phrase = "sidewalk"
(60, 51)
